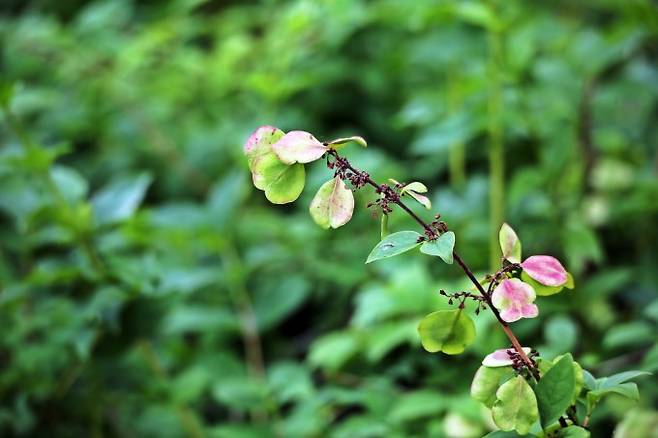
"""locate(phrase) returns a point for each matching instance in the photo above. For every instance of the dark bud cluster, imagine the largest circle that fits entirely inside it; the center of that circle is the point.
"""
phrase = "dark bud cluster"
(382, 204)
(344, 171)
(517, 362)
(461, 298)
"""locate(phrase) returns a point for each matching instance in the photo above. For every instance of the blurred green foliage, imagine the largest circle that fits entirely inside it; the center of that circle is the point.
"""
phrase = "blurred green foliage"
(146, 289)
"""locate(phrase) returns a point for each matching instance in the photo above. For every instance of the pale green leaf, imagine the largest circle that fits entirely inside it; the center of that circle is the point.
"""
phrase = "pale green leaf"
(282, 183)
(333, 204)
(486, 382)
(340, 142)
(516, 406)
(449, 331)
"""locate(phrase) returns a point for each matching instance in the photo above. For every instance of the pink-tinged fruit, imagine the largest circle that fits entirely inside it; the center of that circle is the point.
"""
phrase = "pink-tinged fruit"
(514, 300)
(260, 134)
(298, 147)
(545, 269)
(500, 358)
(510, 244)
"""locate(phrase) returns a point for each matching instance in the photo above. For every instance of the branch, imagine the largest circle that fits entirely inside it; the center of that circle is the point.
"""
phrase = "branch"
(360, 178)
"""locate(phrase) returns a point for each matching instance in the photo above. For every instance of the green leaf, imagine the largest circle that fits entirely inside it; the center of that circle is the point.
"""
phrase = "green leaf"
(449, 331)
(333, 204)
(280, 182)
(617, 383)
(441, 247)
(486, 382)
(340, 142)
(415, 186)
(573, 432)
(541, 289)
(616, 379)
(120, 198)
(394, 244)
(555, 390)
(332, 351)
(70, 183)
(516, 406)
(628, 390)
(417, 404)
(510, 245)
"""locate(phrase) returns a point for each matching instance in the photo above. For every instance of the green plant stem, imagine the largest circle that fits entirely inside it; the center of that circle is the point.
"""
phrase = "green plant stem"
(496, 145)
(251, 341)
(456, 156)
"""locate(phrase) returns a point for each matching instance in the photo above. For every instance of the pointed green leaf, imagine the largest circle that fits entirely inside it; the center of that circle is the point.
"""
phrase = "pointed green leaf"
(415, 186)
(510, 244)
(555, 390)
(441, 247)
(333, 204)
(449, 331)
(616, 379)
(628, 390)
(486, 382)
(540, 289)
(394, 244)
(516, 406)
(340, 142)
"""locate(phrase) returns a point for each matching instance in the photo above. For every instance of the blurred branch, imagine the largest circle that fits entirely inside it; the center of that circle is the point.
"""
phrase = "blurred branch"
(496, 142)
(251, 341)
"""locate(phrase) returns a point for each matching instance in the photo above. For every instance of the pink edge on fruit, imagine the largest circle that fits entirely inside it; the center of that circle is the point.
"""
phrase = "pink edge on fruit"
(545, 269)
(514, 298)
(341, 204)
(256, 136)
(500, 358)
(298, 147)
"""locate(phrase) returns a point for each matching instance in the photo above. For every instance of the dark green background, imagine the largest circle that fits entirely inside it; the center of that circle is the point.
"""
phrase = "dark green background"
(142, 276)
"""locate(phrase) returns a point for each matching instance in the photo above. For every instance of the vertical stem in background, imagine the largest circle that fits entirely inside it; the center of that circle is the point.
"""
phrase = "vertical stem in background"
(251, 341)
(496, 146)
(456, 157)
